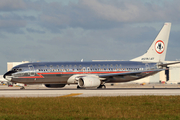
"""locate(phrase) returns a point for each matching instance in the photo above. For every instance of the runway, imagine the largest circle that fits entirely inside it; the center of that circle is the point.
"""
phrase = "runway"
(88, 92)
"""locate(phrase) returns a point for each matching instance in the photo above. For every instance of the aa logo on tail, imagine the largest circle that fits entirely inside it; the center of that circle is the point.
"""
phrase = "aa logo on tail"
(159, 46)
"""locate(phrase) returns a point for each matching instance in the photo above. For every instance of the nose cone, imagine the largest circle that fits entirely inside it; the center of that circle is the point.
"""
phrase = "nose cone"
(8, 75)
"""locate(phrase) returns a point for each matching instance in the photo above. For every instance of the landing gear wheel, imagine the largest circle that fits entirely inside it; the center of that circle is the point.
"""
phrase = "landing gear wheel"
(104, 86)
(78, 87)
(22, 88)
(101, 86)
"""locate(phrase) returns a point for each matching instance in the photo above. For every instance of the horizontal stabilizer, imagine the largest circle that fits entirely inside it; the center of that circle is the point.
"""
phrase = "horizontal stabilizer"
(166, 64)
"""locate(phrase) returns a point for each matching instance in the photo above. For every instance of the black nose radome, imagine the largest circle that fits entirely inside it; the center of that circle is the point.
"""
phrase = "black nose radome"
(9, 73)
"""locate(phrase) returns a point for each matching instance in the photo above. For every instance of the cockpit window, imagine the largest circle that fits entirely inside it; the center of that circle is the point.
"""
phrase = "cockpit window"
(17, 69)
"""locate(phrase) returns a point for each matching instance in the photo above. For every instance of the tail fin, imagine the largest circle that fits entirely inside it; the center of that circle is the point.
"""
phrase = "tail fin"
(157, 51)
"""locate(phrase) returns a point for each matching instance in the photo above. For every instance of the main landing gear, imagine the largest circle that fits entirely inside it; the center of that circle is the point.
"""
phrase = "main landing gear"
(101, 86)
(79, 87)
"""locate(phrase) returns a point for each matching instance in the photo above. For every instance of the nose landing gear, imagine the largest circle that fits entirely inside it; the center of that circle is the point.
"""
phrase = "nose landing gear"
(22, 88)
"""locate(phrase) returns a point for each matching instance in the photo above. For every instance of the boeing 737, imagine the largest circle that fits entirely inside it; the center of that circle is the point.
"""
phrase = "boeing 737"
(94, 74)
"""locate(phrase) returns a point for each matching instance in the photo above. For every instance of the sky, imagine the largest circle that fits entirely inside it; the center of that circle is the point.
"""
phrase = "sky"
(71, 30)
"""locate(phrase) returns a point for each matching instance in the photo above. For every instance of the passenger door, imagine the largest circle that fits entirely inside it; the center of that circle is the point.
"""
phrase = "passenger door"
(31, 70)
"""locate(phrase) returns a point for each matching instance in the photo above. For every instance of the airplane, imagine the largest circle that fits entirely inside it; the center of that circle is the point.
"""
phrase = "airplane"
(94, 74)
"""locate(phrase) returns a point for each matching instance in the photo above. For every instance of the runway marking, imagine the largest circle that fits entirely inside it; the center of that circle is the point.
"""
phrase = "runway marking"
(71, 95)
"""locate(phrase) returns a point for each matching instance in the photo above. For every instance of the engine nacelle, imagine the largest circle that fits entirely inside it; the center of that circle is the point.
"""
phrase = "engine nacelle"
(54, 85)
(89, 82)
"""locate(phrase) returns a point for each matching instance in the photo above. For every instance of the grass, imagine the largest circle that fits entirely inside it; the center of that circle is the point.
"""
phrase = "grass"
(87, 108)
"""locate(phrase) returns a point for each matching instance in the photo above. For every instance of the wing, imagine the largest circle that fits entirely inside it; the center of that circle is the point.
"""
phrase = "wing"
(131, 75)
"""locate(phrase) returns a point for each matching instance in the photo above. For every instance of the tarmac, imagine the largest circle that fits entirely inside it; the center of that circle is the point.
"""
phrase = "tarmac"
(72, 91)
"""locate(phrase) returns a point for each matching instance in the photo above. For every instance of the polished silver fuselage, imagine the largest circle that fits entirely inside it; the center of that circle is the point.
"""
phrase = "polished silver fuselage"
(63, 72)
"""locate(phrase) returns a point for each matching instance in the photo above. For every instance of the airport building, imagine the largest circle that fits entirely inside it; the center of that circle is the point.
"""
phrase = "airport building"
(170, 76)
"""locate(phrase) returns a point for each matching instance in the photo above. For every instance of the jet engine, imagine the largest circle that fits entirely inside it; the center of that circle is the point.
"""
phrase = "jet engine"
(54, 85)
(89, 82)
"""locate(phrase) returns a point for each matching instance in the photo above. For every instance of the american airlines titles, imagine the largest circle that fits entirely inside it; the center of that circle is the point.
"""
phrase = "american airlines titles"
(147, 58)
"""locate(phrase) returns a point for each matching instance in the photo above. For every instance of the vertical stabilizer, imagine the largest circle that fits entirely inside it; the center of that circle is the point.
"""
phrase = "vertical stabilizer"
(157, 51)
